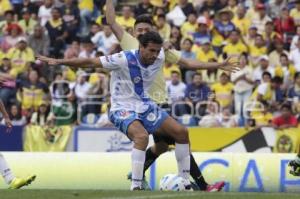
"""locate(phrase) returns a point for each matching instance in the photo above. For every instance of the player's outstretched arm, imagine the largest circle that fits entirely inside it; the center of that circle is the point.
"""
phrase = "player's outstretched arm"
(110, 15)
(74, 62)
(229, 64)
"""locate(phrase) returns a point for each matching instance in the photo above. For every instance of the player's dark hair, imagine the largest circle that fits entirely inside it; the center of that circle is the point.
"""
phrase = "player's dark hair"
(150, 37)
(145, 18)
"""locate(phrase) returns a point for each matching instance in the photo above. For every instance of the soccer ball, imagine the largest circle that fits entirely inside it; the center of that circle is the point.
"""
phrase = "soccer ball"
(171, 182)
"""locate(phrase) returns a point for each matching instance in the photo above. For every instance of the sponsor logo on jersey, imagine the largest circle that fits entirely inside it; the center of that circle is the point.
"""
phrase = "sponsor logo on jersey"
(137, 79)
(151, 117)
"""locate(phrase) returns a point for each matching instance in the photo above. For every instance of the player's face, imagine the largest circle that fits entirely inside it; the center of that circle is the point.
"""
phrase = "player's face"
(150, 53)
(141, 29)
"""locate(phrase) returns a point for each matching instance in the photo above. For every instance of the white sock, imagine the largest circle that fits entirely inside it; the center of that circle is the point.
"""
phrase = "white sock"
(182, 153)
(138, 161)
(5, 170)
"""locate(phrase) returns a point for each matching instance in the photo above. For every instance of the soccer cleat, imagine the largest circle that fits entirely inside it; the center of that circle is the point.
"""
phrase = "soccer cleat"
(145, 184)
(17, 183)
(294, 168)
(215, 187)
(188, 185)
(137, 189)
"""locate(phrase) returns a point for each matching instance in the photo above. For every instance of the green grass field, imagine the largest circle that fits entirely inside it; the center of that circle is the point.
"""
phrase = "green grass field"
(69, 194)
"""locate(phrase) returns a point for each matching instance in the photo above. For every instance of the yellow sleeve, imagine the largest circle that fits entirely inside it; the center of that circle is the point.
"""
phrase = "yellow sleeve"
(172, 56)
(128, 42)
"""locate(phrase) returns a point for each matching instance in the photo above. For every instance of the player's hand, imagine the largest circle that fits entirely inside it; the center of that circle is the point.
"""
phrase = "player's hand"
(50, 61)
(8, 125)
(231, 64)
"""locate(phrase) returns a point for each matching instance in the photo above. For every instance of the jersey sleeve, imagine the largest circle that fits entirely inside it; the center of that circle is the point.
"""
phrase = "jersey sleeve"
(114, 62)
(172, 56)
(128, 42)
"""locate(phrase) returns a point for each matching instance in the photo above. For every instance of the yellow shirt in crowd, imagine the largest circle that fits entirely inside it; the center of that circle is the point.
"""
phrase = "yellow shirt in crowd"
(165, 32)
(187, 29)
(167, 70)
(19, 59)
(205, 57)
(223, 93)
(257, 51)
(235, 49)
(242, 24)
(86, 5)
(280, 73)
(295, 14)
(158, 89)
(261, 118)
(128, 23)
(4, 6)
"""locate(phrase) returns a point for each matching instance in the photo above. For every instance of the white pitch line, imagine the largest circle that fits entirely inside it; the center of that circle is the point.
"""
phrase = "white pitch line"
(155, 196)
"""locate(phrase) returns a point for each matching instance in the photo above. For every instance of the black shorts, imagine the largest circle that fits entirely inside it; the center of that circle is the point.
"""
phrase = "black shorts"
(163, 138)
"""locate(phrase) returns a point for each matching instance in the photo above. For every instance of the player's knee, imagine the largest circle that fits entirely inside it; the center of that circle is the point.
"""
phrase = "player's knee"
(182, 135)
(141, 140)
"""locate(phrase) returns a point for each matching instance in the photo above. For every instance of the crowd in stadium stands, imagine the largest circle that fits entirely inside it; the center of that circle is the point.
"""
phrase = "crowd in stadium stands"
(264, 35)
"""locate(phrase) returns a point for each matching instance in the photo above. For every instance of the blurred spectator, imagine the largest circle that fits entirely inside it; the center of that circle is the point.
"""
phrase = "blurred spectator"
(21, 56)
(186, 7)
(86, 14)
(44, 13)
(41, 116)
(286, 119)
(295, 13)
(295, 39)
(32, 7)
(260, 19)
(270, 35)
(144, 7)
(105, 41)
(39, 41)
(72, 51)
(202, 34)
(175, 37)
(243, 84)
(87, 49)
(286, 71)
(295, 56)
(223, 91)
(190, 26)
(269, 92)
(57, 32)
(16, 116)
(197, 91)
(164, 29)
(210, 76)
(27, 23)
(241, 21)
(71, 17)
(294, 93)
(32, 93)
(258, 49)
(95, 28)
(7, 82)
(212, 117)
(251, 36)
(82, 87)
(168, 69)
(276, 7)
(228, 120)
(263, 66)
(285, 26)
(275, 55)
(11, 39)
(222, 28)
(261, 117)
(5, 5)
(187, 53)
(235, 46)
(126, 19)
(9, 19)
(176, 92)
